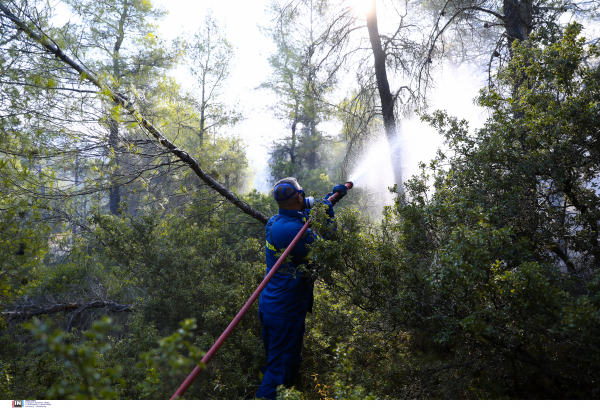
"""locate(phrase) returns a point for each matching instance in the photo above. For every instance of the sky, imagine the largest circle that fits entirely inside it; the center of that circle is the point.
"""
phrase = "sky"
(240, 21)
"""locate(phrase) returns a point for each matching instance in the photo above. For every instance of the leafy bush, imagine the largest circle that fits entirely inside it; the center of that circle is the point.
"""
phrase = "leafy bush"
(471, 271)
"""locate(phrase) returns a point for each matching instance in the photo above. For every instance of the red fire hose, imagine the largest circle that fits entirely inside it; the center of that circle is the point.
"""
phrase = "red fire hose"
(190, 379)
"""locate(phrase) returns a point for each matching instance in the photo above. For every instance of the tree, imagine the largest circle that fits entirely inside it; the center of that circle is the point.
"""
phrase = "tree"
(210, 62)
(27, 183)
(484, 31)
(383, 86)
(495, 272)
(377, 59)
(119, 36)
(80, 113)
(302, 79)
(202, 262)
(558, 194)
(54, 134)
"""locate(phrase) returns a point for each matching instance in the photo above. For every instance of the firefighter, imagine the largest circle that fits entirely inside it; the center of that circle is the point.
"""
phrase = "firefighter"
(288, 296)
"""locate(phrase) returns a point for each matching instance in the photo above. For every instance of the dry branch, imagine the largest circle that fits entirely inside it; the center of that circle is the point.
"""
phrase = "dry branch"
(87, 75)
(78, 307)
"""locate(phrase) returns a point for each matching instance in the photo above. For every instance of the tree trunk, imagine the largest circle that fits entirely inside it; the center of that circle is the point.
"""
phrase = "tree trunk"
(114, 192)
(294, 142)
(74, 225)
(293, 147)
(314, 142)
(385, 95)
(203, 109)
(518, 21)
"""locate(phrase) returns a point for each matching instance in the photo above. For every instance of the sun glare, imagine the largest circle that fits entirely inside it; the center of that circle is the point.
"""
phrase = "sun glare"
(361, 7)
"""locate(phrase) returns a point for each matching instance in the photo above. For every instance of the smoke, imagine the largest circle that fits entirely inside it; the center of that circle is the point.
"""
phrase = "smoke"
(455, 92)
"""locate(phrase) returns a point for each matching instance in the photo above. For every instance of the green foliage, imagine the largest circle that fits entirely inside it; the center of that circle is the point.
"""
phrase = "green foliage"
(5, 379)
(88, 378)
(87, 372)
(343, 387)
(23, 244)
(124, 37)
(129, 351)
(28, 372)
(190, 264)
(187, 266)
(471, 272)
(293, 394)
(167, 361)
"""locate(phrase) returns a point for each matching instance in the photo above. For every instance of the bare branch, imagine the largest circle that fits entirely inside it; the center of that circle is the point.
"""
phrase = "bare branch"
(18, 316)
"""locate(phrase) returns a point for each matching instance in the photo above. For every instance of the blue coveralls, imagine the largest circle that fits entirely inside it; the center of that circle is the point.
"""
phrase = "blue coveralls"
(284, 302)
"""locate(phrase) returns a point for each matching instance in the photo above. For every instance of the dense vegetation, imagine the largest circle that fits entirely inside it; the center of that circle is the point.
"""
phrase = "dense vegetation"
(119, 268)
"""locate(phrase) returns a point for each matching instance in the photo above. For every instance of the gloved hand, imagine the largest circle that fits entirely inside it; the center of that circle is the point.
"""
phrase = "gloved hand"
(342, 189)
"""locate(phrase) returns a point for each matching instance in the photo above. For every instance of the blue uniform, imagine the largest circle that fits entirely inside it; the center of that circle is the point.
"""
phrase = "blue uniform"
(284, 301)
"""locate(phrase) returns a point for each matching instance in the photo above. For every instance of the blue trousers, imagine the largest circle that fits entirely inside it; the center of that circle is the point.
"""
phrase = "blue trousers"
(283, 343)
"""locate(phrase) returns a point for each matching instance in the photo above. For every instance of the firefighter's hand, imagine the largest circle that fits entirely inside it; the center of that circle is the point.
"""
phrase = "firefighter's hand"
(341, 189)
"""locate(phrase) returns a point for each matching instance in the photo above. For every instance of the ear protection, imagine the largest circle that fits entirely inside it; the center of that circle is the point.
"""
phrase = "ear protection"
(285, 191)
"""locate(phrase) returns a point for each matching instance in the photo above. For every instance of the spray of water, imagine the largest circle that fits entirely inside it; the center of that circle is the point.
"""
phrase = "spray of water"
(372, 174)
(371, 170)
